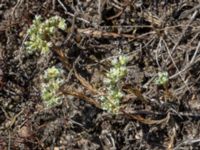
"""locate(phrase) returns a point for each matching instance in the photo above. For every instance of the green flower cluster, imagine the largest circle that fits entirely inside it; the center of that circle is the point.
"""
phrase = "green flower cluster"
(40, 31)
(162, 78)
(52, 81)
(112, 98)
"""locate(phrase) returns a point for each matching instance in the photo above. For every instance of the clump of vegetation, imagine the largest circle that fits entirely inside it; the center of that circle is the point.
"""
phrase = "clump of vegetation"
(111, 100)
(39, 40)
(39, 33)
(52, 80)
(162, 78)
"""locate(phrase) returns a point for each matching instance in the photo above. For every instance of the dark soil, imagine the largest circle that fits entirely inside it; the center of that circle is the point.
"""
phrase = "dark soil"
(157, 36)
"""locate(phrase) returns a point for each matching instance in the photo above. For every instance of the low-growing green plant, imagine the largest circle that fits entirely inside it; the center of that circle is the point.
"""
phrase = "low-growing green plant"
(40, 32)
(111, 100)
(162, 78)
(39, 41)
(51, 82)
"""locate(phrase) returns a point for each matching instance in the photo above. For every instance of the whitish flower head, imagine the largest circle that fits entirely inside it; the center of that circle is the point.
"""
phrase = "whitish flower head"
(162, 78)
(50, 93)
(123, 60)
(39, 33)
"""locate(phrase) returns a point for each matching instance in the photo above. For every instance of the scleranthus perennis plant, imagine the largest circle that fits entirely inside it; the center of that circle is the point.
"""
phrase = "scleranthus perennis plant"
(111, 100)
(51, 82)
(39, 33)
(162, 78)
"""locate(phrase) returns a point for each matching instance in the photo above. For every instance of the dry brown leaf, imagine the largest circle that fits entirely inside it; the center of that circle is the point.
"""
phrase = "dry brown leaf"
(81, 95)
(85, 83)
(98, 34)
(147, 120)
